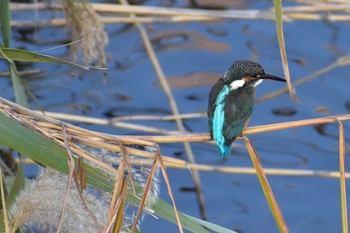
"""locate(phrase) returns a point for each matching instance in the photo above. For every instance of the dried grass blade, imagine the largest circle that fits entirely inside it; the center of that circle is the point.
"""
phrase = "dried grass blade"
(295, 124)
(4, 208)
(80, 175)
(88, 156)
(133, 151)
(116, 207)
(344, 208)
(276, 212)
(170, 192)
(70, 177)
(145, 194)
(281, 43)
(320, 7)
(116, 191)
(127, 165)
(120, 211)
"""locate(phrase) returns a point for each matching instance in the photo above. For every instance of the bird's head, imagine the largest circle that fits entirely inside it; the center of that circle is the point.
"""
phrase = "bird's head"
(247, 73)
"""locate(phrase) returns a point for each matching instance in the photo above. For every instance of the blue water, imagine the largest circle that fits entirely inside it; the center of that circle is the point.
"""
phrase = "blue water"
(309, 204)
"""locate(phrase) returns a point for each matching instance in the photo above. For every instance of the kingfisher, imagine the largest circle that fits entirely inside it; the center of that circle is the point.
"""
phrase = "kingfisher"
(231, 102)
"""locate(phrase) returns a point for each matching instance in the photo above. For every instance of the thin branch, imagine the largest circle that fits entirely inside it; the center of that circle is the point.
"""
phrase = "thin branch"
(236, 170)
(168, 14)
(251, 130)
(154, 10)
(277, 214)
(343, 196)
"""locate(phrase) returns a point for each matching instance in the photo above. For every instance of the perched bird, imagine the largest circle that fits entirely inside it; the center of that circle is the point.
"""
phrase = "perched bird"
(231, 102)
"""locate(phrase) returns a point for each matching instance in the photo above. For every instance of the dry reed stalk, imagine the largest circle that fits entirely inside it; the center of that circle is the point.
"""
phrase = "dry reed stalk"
(296, 124)
(282, 46)
(206, 137)
(59, 22)
(116, 207)
(316, 2)
(145, 194)
(252, 171)
(80, 176)
(276, 212)
(332, 18)
(118, 204)
(119, 213)
(343, 196)
(171, 195)
(71, 166)
(80, 182)
(160, 118)
(183, 14)
(3, 204)
(173, 105)
(236, 170)
(154, 10)
(51, 129)
(320, 7)
(250, 130)
(203, 137)
(111, 122)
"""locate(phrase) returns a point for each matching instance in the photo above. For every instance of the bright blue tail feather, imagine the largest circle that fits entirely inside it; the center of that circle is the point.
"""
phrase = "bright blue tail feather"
(218, 123)
(224, 151)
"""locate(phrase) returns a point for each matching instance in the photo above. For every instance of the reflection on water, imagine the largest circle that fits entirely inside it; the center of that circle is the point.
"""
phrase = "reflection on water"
(167, 41)
(284, 111)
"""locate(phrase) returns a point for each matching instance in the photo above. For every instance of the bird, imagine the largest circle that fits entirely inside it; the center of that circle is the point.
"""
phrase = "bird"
(231, 102)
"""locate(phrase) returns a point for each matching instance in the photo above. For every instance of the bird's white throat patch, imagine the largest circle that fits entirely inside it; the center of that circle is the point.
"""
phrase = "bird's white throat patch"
(258, 82)
(237, 84)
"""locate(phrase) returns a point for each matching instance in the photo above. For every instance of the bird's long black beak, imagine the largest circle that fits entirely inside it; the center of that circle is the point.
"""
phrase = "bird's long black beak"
(271, 77)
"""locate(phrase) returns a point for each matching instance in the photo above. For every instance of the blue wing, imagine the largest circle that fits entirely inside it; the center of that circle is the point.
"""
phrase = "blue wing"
(214, 92)
(238, 109)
